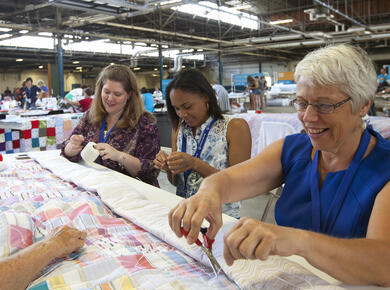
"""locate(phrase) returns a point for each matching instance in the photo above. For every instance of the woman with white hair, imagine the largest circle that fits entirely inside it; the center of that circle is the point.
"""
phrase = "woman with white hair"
(335, 207)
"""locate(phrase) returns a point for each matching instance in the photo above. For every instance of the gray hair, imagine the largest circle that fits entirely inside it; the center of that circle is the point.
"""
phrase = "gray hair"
(343, 66)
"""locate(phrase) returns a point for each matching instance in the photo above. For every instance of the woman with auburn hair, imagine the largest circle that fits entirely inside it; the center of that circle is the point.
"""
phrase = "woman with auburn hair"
(126, 135)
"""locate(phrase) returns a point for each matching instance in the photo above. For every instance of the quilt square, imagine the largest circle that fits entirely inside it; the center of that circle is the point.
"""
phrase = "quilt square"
(35, 133)
(8, 136)
(42, 132)
(34, 124)
(42, 124)
(16, 143)
(51, 131)
(35, 142)
(26, 134)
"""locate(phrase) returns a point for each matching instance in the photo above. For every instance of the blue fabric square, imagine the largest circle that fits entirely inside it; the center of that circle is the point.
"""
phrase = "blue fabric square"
(8, 136)
(35, 142)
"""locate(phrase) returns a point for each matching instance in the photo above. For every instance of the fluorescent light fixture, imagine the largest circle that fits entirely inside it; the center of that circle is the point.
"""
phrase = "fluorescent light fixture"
(154, 75)
(5, 35)
(153, 45)
(75, 62)
(45, 34)
(4, 29)
(164, 46)
(112, 63)
(140, 43)
(155, 68)
(165, 65)
(19, 59)
(136, 68)
(282, 21)
(169, 2)
(41, 66)
(183, 66)
(24, 31)
(199, 49)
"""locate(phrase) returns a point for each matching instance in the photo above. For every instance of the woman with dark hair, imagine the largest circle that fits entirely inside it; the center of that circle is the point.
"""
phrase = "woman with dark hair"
(126, 135)
(203, 140)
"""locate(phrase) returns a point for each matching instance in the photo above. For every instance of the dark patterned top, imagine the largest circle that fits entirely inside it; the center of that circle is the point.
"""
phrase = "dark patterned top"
(142, 142)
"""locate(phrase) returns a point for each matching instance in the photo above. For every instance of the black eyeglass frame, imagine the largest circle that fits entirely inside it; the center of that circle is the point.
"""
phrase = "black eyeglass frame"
(317, 108)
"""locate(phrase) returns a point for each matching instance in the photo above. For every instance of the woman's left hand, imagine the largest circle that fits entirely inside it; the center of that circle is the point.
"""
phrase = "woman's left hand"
(179, 162)
(253, 239)
(106, 151)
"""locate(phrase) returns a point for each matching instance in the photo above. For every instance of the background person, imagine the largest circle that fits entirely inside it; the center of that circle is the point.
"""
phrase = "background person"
(84, 104)
(147, 98)
(203, 141)
(18, 270)
(127, 135)
(42, 86)
(335, 207)
(30, 93)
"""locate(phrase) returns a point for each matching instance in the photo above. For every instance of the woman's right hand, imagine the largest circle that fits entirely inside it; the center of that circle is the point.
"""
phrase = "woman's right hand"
(74, 146)
(160, 162)
(190, 213)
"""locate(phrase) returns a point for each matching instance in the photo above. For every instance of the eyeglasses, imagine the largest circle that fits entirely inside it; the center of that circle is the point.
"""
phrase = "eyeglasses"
(301, 106)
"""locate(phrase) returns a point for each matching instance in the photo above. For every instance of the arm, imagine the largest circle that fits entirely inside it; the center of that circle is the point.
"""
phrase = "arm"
(76, 103)
(356, 261)
(353, 261)
(242, 181)
(18, 270)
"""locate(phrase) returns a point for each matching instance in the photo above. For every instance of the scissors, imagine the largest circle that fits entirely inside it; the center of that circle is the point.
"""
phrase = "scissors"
(206, 247)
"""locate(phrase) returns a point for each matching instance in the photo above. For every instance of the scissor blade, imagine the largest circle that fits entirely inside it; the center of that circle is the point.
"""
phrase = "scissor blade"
(216, 266)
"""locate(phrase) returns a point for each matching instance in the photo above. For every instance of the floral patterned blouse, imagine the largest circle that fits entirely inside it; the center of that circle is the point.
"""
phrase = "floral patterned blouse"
(215, 153)
(142, 142)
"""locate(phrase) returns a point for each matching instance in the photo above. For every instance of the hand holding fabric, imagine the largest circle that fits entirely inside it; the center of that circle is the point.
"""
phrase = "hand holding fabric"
(179, 162)
(74, 146)
(160, 162)
(106, 151)
(191, 212)
(253, 239)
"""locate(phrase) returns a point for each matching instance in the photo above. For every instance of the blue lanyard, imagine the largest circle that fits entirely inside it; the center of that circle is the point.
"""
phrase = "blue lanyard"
(341, 193)
(199, 148)
(102, 138)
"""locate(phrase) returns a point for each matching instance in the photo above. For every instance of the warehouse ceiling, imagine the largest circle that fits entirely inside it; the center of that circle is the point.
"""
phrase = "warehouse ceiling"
(186, 28)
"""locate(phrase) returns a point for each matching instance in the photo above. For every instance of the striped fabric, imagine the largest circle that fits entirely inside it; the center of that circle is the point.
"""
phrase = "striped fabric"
(118, 254)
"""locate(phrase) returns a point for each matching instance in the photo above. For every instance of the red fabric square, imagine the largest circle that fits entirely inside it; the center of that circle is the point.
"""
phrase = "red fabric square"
(51, 131)
(27, 134)
(2, 131)
(16, 143)
(35, 124)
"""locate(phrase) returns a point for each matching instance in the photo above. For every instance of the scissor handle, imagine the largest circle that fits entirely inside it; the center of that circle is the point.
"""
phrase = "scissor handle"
(208, 243)
(185, 233)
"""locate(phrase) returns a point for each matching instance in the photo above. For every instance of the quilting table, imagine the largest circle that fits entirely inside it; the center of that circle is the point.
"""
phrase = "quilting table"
(19, 134)
(129, 243)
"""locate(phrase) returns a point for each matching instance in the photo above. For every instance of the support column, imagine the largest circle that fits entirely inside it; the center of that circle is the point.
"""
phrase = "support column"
(60, 61)
(220, 68)
(161, 63)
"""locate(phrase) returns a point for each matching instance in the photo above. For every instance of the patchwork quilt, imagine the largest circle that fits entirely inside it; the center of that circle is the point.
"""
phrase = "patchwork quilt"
(38, 133)
(129, 244)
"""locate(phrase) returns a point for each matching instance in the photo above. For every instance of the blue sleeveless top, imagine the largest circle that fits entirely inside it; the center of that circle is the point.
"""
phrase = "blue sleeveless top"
(294, 207)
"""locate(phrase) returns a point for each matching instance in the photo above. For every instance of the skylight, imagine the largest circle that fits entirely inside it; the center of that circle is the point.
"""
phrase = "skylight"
(225, 14)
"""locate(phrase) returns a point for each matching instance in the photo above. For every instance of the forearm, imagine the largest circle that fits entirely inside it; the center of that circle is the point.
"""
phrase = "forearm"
(17, 271)
(130, 163)
(353, 261)
(203, 168)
